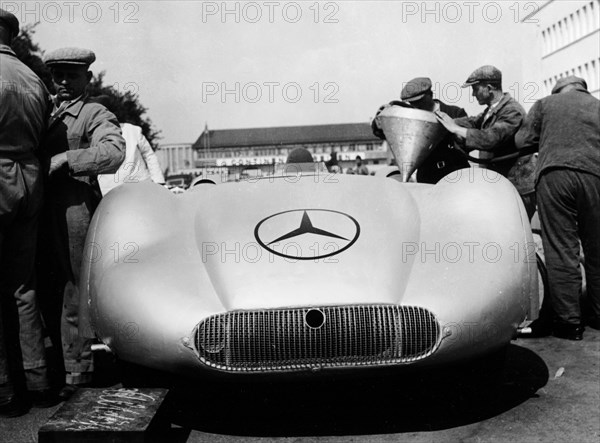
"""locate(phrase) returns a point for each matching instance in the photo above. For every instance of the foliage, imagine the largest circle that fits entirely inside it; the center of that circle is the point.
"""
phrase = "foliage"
(29, 53)
(125, 105)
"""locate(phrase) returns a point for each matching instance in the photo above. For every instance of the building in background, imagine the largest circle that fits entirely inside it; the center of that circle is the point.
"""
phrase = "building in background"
(568, 43)
(259, 149)
(175, 158)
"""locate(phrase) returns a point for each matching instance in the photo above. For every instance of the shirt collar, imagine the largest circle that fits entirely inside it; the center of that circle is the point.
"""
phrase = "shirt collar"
(5, 49)
(72, 107)
(493, 108)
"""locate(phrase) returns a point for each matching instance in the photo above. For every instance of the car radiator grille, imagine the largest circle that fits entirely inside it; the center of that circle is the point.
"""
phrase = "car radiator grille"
(310, 338)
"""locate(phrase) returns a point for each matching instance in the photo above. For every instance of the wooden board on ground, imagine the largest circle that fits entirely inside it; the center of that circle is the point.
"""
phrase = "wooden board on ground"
(106, 414)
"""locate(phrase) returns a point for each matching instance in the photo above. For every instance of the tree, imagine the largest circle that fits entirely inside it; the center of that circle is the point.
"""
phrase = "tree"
(125, 105)
(29, 53)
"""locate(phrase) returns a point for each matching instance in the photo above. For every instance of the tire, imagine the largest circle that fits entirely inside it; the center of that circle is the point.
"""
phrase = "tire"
(136, 376)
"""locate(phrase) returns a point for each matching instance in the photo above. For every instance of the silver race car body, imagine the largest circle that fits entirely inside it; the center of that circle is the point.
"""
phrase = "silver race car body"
(307, 270)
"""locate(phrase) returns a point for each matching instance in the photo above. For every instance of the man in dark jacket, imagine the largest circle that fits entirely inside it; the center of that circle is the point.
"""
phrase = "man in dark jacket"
(565, 126)
(492, 132)
(23, 108)
(444, 158)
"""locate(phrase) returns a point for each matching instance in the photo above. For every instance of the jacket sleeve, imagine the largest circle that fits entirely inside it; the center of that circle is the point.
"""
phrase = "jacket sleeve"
(107, 147)
(468, 122)
(528, 135)
(150, 158)
(500, 132)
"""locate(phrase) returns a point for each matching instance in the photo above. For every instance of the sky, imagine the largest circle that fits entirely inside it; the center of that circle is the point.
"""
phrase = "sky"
(278, 63)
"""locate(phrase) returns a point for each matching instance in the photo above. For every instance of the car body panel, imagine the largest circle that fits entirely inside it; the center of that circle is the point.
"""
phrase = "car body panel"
(454, 248)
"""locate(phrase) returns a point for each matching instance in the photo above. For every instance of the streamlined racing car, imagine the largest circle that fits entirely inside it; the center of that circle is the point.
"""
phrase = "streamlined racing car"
(307, 271)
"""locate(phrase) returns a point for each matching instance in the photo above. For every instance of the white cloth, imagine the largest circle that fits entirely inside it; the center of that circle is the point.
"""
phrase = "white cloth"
(140, 162)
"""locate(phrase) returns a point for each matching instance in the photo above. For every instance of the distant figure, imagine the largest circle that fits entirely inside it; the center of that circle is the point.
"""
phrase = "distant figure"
(300, 155)
(332, 164)
(140, 161)
(360, 168)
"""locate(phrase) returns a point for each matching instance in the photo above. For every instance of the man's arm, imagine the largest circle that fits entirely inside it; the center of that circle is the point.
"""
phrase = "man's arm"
(469, 122)
(507, 124)
(107, 147)
(377, 131)
(458, 126)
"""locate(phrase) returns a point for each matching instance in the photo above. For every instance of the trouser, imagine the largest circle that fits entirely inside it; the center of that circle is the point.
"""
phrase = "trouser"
(22, 352)
(569, 210)
(71, 204)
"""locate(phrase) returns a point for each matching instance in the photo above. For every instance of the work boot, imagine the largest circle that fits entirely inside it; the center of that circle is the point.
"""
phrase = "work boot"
(13, 406)
(44, 398)
(568, 331)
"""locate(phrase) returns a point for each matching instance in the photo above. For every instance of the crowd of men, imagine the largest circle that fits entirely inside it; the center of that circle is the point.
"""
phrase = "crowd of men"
(52, 150)
(564, 178)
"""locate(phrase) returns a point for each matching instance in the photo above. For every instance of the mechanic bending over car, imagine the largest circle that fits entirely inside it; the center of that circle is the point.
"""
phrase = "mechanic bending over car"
(444, 159)
(83, 140)
(493, 131)
(565, 127)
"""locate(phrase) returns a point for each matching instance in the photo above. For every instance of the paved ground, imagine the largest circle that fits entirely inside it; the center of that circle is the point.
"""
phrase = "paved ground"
(550, 392)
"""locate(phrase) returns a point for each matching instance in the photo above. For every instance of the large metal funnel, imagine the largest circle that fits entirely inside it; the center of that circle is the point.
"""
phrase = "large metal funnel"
(412, 134)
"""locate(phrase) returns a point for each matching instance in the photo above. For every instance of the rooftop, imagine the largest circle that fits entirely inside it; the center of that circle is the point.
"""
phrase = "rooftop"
(286, 135)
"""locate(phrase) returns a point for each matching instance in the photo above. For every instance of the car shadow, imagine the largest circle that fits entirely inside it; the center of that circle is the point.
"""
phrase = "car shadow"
(385, 403)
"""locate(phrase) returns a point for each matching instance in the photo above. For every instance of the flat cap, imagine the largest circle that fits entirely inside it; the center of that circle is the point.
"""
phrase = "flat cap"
(10, 22)
(570, 80)
(415, 89)
(70, 56)
(487, 73)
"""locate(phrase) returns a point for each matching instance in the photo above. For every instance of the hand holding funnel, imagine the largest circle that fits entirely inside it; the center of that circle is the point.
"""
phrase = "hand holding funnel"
(412, 134)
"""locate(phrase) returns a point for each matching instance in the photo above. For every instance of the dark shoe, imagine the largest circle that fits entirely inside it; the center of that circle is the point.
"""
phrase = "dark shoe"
(568, 331)
(537, 328)
(13, 406)
(67, 392)
(44, 398)
(593, 323)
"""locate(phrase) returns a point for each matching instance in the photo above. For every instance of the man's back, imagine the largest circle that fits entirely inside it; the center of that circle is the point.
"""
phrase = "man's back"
(570, 131)
(24, 106)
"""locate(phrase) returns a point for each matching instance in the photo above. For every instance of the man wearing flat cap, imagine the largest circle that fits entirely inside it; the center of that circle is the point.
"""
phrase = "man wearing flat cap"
(83, 140)
(23, 109)
(444, 158)
(565, 127)
(492, 132)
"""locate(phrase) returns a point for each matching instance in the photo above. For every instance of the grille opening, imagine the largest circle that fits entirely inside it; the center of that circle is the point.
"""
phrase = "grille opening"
(295, 339)
(315, 318)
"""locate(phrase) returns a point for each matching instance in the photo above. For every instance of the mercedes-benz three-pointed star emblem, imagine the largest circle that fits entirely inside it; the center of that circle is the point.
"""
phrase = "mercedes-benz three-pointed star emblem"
(307, 234)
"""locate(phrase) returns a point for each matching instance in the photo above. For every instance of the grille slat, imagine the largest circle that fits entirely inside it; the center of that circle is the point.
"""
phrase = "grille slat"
(280, 339)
